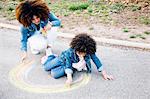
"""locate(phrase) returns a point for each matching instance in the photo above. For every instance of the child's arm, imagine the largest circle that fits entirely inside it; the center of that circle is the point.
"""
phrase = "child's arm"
(68, 69)
(97, 62)
(99, 66)
(69, 80)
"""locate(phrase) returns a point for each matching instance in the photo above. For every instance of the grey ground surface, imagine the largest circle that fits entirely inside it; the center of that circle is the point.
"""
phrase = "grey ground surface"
(130, 69)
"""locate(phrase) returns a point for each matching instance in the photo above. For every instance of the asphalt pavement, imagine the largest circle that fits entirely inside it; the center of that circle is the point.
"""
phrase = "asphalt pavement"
(129, 67)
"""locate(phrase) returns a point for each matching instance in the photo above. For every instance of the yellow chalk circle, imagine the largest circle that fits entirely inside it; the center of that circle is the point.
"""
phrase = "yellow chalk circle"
(15, 76)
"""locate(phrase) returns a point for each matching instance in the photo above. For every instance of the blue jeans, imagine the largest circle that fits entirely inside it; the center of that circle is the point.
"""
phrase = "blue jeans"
(55, 66)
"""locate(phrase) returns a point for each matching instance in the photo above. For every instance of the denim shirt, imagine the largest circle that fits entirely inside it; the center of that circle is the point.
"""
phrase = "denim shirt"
(69, 56)
(27, 32)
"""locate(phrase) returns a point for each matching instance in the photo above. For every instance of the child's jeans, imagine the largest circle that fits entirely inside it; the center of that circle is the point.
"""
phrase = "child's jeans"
(55, 66)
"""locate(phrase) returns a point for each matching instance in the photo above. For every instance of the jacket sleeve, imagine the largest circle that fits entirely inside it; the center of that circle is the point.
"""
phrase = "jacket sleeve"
(55, 21)
(24, 38)
(68, 65)
(97, 62)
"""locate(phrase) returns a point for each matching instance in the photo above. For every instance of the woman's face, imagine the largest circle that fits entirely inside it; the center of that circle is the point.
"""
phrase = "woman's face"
(36, 20)
(80, 54)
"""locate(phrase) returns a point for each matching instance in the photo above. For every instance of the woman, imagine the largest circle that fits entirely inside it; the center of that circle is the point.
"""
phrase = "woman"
(35, 16)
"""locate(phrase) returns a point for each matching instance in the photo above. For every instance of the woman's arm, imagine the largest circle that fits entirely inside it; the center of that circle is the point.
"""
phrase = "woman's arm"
(24, 31)
(54, 19)
(24, 38)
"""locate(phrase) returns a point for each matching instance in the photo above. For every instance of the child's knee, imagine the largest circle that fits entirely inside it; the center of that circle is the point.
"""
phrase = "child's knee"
(54, 75)
(57, 73)
(46, 69)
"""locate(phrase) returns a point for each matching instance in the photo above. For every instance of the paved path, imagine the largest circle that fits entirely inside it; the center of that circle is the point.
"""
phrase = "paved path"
(129, 67)
(102, 40)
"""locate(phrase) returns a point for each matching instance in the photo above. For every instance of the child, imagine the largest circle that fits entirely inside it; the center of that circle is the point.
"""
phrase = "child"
(77, 57)
(35, 16)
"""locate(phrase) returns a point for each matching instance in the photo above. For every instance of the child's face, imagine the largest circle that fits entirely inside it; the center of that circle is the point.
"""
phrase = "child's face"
(36, 20)
(80, 54)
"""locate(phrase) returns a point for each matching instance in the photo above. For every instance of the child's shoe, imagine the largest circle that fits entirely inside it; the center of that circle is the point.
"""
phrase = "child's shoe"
(49, 51)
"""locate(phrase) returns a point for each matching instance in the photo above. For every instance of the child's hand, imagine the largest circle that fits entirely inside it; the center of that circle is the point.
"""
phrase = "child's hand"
(81, 58)
(107, 77)
(69, 80)
(68, 83)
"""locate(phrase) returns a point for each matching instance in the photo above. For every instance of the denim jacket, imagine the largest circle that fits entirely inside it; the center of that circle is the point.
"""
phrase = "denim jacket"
(27, 32)
(69, 56)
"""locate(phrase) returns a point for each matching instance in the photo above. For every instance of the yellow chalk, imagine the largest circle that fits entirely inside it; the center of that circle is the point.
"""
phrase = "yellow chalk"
(15, 77)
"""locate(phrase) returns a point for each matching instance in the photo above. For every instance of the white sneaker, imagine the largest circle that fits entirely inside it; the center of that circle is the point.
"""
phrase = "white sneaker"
(49, 52)
(35, 52)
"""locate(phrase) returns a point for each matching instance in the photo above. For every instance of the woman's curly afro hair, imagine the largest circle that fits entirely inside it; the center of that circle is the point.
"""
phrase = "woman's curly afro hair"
(83, 43)
(26, 9)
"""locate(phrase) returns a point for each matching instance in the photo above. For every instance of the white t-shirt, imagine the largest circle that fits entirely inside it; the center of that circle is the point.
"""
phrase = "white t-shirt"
(81, 65)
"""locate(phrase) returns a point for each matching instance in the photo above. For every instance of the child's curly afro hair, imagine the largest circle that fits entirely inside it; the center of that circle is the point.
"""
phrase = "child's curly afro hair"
(83, 43)
(28, 8)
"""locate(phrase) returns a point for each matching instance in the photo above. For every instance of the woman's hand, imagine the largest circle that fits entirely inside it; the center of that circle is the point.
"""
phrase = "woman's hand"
(107, 77)
(48, 26)
(23, 56)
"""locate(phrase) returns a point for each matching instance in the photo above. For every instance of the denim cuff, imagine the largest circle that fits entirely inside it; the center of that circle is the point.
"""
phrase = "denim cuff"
(68, 71)
(24, 49)
(100, 69)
